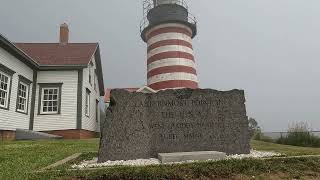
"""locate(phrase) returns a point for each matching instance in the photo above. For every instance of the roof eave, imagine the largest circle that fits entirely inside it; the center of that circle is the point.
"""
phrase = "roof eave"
(99, 69)
(62, 67)
(17, 52)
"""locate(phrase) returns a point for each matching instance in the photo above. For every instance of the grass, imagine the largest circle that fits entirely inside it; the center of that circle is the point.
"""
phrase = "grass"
(288, 168)
(19, 160)
(285, 149)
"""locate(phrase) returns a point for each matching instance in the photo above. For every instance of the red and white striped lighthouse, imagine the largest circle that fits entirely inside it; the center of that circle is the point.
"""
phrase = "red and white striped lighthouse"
(168, 30)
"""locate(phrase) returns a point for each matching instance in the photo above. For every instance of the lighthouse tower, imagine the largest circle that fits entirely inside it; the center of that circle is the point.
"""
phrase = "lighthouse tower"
(168, 29)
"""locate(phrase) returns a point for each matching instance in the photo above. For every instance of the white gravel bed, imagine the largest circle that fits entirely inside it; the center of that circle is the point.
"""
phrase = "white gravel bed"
(145, 162)
(255, 154)
(138, 162)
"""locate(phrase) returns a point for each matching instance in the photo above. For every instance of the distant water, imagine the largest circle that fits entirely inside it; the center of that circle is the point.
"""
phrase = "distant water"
(276, 135)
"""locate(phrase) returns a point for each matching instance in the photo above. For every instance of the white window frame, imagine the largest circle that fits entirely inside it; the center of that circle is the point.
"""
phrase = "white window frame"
(7, 91)
(87, 103)
(57, 100)
(26, 98)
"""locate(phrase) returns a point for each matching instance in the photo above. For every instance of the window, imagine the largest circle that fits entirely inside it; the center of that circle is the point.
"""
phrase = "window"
(23, 94)
(50, 98)
(87, 105)
(4, 89)
(97, 111)
(5, 86)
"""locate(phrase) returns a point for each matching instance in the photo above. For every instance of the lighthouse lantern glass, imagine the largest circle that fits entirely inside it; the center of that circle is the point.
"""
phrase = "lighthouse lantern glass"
(159, 2)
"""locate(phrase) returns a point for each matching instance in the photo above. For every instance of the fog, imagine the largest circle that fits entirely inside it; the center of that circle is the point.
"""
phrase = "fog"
(269, 48)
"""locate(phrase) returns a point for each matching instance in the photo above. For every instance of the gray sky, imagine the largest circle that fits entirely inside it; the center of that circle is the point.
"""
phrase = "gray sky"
(269, 48)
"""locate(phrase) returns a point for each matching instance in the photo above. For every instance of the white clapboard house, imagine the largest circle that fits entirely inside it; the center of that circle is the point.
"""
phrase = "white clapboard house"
(50, 87)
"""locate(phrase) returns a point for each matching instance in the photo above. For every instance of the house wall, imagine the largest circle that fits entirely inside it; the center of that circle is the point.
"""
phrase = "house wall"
(67, 119)
(90, 123)
(10, 119)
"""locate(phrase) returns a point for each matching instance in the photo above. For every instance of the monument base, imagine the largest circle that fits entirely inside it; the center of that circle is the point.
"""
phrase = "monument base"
(191, 156)
(139, 126)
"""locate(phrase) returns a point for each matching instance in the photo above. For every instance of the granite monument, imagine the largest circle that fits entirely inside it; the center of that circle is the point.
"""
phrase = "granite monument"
(139, 125)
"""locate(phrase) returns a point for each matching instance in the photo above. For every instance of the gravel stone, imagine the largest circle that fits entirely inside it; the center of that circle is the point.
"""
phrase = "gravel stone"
(147, 162)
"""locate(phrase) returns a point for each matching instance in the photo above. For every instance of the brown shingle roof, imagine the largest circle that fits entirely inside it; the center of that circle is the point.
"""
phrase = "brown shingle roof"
(47, 54)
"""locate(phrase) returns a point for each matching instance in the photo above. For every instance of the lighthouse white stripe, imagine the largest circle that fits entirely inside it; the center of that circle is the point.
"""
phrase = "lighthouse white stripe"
(172, 76)
(170, 48)
(171, 62)
(166, 36)
(168, 25)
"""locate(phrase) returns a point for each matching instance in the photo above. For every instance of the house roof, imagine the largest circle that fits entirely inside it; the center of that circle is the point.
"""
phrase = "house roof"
(15, 51)
(64, 55)
(54, 56)
(57, 54)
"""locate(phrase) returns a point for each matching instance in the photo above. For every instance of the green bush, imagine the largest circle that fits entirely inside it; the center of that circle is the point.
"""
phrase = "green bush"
(299, 135)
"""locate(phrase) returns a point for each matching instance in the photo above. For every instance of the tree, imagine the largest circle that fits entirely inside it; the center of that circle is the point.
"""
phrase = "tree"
(256, 130)
(253, 124)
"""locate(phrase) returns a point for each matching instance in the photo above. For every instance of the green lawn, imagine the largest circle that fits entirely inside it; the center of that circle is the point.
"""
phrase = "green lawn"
(19, 159)
(285, 149)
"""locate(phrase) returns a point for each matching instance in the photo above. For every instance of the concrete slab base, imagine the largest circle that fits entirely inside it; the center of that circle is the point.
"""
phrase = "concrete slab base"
(191, 156)
(61, 162)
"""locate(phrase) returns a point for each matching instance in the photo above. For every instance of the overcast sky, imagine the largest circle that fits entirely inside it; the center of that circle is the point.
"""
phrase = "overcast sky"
(269, 48)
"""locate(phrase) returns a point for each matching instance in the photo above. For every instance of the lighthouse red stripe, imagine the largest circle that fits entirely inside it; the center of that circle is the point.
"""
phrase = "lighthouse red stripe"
(170, 54)
(169, 30)
(170, 42)
(174, 84)
(172, 69)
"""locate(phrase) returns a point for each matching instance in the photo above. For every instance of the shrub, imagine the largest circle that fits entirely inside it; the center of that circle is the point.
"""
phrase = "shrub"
(299, 135)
